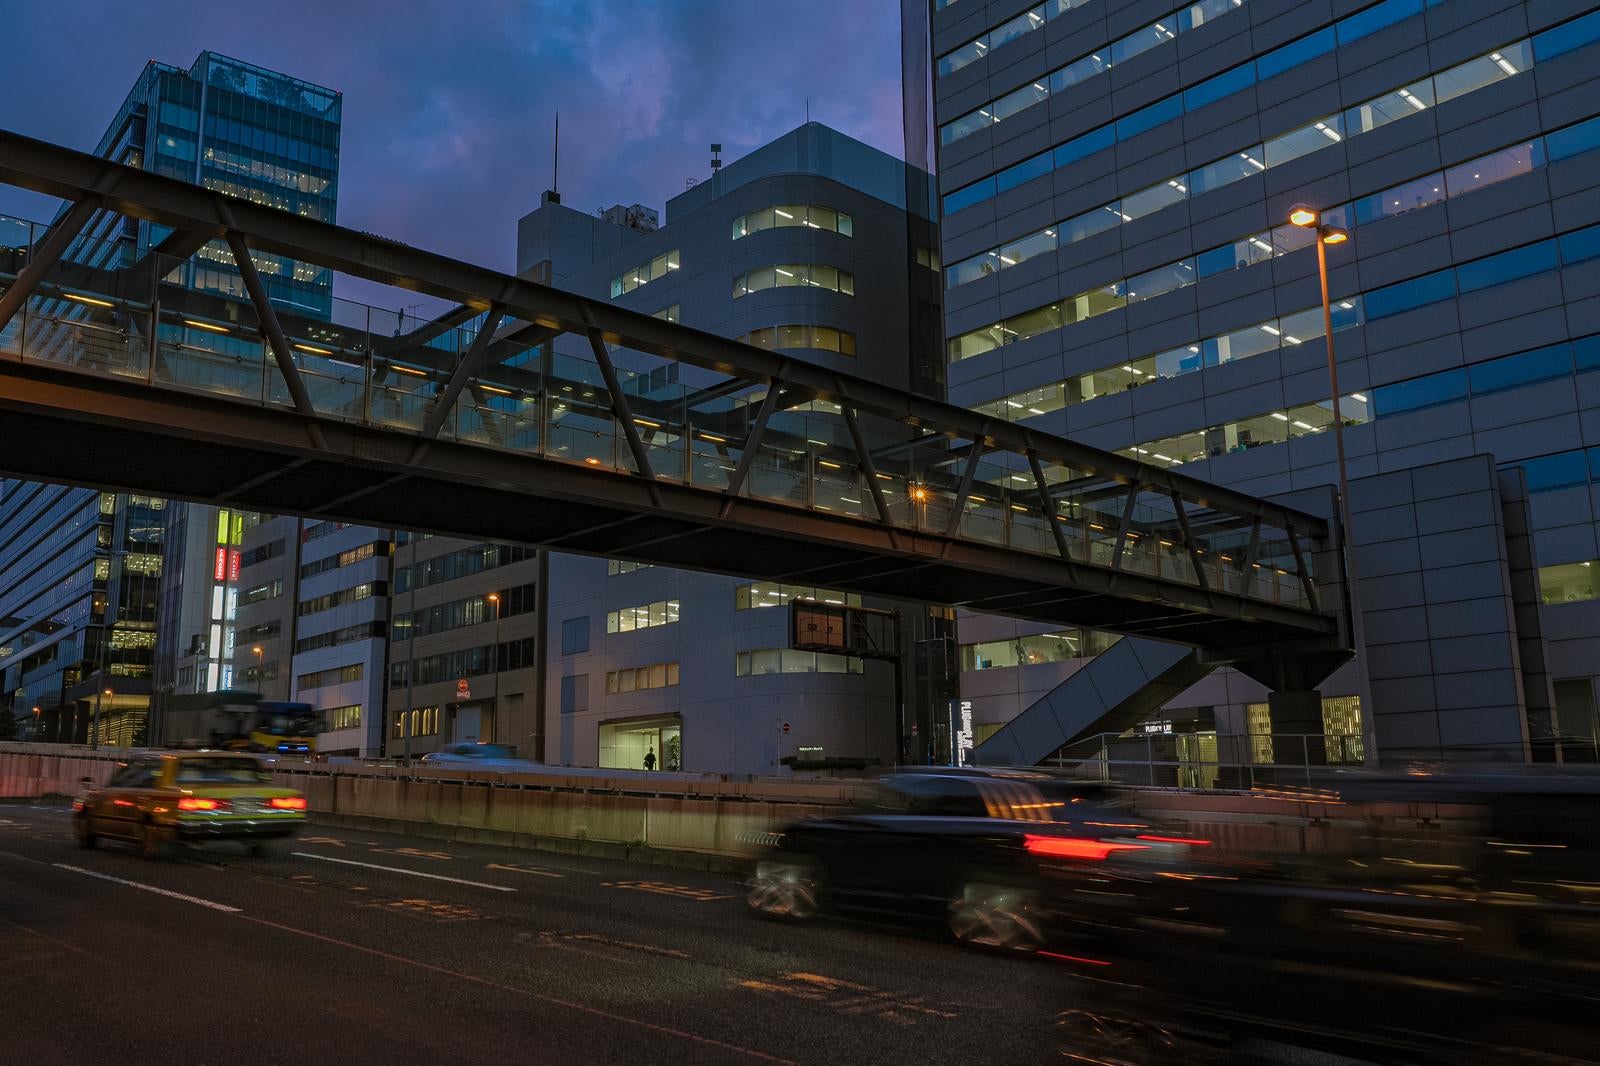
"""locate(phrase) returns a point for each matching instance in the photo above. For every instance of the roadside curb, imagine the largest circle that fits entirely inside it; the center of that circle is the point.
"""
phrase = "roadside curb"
(598, 849)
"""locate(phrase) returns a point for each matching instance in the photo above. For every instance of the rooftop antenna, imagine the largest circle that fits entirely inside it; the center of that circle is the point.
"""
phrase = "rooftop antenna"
(716, 159)
(554, 195)
(808, 111)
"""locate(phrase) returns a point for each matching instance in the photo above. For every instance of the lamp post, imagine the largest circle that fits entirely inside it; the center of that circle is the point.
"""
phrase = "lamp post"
(494, 652)
(1309, 218)
(260, 667)
(411, 648)
(94, 724)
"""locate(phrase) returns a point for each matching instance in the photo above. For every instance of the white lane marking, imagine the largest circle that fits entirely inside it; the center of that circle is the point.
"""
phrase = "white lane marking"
(149, 888)
(398, 870)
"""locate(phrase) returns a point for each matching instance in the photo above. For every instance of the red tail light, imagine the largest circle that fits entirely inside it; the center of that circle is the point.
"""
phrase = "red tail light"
(199, 803)
(1194, 842)
(1075, 847)
(288, 803)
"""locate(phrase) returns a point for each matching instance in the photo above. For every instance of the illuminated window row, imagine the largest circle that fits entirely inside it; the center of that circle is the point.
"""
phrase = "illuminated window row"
(809, 216)
(790, 661)
(1228, 347)
(1012, 29)
(670, 314)
(821, 338)
(783, 275)
(772, 594)
(642, 678)
(1056, 647)
(1273, 427)
(348, 717)
(1544, 474)
(1464, 178)
(364, 591)
(1247, 249)
(1236, 79)
(1141, 40)
(1488, 69)
(424, 722)
(337, 675)
(644, 273)
(624, 566)
(349, 557)
(646, 616)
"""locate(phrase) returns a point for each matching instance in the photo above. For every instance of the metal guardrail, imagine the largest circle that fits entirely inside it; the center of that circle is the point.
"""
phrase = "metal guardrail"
(1211, 761)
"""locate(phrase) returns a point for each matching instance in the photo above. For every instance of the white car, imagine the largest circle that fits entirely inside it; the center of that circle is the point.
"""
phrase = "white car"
(501, 757)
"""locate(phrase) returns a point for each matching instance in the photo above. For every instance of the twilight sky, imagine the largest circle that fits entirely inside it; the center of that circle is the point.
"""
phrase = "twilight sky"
(448, 104)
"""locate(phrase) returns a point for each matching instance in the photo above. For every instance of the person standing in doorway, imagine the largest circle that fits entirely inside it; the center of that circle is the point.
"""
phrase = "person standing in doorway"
(650, 759)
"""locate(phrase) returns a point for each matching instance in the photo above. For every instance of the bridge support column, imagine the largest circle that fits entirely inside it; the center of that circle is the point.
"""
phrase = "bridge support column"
(1296, 711)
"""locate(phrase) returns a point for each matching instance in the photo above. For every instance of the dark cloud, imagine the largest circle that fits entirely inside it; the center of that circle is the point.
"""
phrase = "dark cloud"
(448, 106)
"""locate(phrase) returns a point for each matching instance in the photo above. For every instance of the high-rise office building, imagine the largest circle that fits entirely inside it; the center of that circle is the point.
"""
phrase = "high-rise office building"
(1116, 183)
(98, 637)
(803, 246)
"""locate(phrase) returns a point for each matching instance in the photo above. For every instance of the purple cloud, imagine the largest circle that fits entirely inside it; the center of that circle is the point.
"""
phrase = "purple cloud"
(448, 105)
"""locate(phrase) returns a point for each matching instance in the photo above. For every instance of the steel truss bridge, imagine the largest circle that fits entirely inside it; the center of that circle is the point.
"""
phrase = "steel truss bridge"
(114, 373)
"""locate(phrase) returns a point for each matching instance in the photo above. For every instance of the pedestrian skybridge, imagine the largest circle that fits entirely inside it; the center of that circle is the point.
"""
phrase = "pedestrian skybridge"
(116, 371)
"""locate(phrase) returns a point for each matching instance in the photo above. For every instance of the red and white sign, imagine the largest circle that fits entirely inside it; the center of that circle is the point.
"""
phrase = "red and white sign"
(463, 690)
(233, 566)
(786, 727)
(221, 569)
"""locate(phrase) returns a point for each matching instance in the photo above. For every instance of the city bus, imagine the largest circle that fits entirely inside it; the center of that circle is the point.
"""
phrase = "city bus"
(240, 721)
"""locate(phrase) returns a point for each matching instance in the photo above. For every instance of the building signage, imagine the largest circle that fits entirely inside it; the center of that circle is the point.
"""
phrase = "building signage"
(220, 571)
(233, 566)
(961, 713)
(463, 690)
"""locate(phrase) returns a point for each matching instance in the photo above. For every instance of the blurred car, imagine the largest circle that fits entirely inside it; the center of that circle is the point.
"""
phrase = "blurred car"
(480, 757)
(161, 799)
(1008, 859)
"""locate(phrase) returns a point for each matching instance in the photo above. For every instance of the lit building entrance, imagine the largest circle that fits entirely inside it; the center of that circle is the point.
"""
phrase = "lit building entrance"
(624, 744)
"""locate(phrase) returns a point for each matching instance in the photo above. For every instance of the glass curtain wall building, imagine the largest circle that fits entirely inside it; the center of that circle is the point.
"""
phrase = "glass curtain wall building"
(1115, 182)
(157, 583)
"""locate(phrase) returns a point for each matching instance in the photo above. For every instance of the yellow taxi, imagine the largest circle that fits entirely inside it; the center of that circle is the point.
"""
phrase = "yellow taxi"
(188, 796)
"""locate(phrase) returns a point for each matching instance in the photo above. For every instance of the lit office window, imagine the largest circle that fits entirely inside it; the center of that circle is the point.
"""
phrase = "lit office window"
(792, 661)
(809, 216)
(783, 275)
(642, 678)
(772, 594)
(1035, 650)
(644, 273)
(1566, 583)
(646, 616)
(821, 338)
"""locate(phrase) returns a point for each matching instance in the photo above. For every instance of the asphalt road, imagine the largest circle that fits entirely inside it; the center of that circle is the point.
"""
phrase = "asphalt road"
(369, 948)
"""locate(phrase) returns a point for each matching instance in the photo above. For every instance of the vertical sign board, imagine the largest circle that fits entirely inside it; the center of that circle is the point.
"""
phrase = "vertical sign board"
(961, 731)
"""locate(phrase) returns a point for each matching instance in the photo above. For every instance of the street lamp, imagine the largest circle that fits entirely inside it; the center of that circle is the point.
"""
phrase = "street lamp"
(260, 667)
(1309, 218)
(94, 725)
(494, 699)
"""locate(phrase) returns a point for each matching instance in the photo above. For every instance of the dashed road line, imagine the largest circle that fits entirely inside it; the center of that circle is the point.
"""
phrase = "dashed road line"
(149, 888)
(400, 870)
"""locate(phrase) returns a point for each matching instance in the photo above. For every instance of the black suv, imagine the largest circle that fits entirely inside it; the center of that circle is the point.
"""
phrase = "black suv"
(1009, 859)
